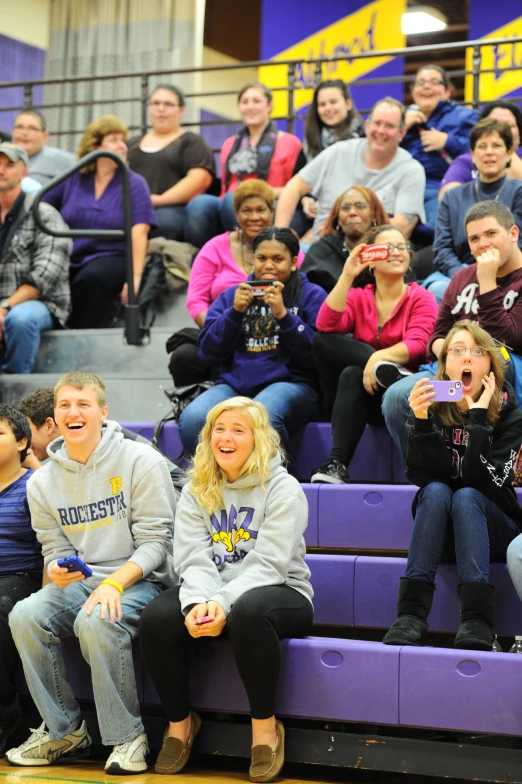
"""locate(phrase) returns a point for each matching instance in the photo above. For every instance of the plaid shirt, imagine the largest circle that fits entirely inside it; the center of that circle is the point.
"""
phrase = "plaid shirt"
(30, 256)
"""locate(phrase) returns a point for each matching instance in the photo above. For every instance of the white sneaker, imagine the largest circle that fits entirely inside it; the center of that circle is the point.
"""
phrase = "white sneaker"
(129, 757)
(39, 749)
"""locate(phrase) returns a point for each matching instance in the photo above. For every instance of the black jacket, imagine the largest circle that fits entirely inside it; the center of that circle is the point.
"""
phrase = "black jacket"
(475, 455)
(324, 261)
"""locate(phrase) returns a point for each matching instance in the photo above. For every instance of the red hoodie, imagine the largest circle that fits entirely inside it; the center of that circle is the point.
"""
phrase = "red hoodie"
(411, 322)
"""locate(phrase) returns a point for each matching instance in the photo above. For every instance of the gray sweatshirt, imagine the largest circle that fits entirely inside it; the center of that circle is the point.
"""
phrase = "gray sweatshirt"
(116, 508)
(255, 539)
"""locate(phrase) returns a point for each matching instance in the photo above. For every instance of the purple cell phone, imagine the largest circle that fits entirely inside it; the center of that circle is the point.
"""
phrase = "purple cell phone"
(447, 391)
(74, 564)
(206, 619)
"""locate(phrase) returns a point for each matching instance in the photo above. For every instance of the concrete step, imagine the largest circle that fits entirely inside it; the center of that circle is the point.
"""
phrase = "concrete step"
(136, 397)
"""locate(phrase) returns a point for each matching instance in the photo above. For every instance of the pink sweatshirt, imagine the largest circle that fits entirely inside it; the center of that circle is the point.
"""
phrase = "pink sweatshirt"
(213, 271)
(286, 150)
(411, 322)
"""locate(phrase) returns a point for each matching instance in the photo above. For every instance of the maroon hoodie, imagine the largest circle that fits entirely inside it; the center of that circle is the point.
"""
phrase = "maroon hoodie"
(499, 312)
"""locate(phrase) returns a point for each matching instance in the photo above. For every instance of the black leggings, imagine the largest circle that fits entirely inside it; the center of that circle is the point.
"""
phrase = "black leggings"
(341, 360)
(94, 291)
(186, 367)
(258, 620)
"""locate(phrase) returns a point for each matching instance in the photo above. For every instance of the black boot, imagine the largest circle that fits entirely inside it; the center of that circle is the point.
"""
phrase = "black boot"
(413, 607)
(477, 615)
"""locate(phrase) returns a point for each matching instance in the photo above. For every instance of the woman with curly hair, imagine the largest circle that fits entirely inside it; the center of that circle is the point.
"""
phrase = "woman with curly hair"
(353, 214)
(93, 199)
(242, 574)
(461, 456)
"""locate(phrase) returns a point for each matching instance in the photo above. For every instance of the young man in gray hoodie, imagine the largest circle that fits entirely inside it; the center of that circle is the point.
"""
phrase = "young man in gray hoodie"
(109, 501)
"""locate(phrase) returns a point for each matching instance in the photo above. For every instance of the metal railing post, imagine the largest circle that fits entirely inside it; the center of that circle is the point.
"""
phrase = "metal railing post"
(144, 99)
(477, 57)
(290, 122)
(134, 333)
(28, 96)
(318, 73)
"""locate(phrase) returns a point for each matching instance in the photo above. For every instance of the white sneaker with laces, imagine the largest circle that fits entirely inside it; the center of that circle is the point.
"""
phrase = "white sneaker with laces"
(39, 749)
(129, 757)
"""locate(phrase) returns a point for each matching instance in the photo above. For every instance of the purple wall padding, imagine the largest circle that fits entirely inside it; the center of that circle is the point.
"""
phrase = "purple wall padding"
(79, 672)
(18, 62)
(472, 691)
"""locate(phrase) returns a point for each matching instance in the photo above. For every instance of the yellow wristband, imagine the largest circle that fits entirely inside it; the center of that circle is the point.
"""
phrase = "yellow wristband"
(114, 585)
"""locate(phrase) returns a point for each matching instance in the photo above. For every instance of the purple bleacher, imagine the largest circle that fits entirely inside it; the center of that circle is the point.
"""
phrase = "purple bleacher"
(372, 461)
(375, 596)
(343, 680)
(365, 517)
(332, 581)
(312, 531)
(473, 691)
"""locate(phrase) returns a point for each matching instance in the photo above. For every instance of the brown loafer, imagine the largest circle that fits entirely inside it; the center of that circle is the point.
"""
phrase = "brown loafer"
(266, 763)
(174, 755)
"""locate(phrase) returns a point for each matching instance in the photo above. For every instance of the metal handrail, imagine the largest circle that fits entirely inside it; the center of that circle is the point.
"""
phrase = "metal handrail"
(134, 333)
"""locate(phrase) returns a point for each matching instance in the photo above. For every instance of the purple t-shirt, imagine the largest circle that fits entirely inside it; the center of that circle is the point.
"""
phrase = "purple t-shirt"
(74, 199)
(461, 170)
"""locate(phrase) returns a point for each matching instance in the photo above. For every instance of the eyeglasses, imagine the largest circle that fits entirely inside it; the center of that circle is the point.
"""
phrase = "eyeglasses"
(247, 211)
(428, 83)
(475, 351)
(31, 128)
(167, 104)
(358, 205)
(402, 247)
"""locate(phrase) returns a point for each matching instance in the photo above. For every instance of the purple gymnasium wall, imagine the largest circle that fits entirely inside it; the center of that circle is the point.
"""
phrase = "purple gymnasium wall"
(18, 61)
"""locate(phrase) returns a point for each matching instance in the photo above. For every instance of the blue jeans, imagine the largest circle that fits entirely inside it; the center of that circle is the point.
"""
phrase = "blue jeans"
(437, 283)
(171, 222)
(38, 624)
(208, 216)
(431, 205)
(289, 405)
(396, 409)
(22, 327)
(482, 532)
(514, 562)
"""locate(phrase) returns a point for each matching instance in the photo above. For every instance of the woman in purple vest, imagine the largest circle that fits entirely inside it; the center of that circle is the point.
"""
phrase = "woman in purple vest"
(93, 199)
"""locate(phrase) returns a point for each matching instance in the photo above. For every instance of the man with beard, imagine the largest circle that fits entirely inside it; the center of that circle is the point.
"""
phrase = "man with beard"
(34, 277)
(376, 162)
(352, 214)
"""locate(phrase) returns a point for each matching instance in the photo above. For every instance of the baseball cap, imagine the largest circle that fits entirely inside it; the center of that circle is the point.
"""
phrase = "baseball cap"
(14, 153)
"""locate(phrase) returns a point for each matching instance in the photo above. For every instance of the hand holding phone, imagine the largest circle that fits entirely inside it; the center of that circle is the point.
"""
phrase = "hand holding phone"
(261, 287)
(447, 391)
(376, 252)
(74, 564)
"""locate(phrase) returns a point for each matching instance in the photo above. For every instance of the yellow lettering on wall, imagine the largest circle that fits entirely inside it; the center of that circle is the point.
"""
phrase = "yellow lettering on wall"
(373, 28)
(499, 57)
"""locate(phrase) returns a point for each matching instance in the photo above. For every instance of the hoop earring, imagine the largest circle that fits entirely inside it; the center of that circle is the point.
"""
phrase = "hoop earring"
(371, 271)
(338, 228)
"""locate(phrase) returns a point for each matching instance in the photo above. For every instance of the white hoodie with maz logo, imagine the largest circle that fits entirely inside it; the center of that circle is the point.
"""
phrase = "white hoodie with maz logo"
(116, 508)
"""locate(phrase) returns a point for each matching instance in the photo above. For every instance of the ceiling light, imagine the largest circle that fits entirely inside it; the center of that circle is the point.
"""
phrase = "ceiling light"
(423, 19)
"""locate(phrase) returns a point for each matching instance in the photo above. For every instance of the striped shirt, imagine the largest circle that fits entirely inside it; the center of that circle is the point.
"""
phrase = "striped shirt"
(20, 550)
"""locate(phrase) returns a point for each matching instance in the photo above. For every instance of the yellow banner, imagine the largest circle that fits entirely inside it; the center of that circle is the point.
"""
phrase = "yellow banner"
(373, 28)
(501, 56)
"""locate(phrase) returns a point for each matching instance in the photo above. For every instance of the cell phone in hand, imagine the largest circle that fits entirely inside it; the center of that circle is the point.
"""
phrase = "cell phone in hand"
(377, 252)
(260, 287)
(74, 564)
(447, 391)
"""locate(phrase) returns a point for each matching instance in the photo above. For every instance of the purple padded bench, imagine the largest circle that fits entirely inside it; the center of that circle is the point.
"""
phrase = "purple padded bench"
(375, 596)
(321, 678)
(472, 691)
(365, 517)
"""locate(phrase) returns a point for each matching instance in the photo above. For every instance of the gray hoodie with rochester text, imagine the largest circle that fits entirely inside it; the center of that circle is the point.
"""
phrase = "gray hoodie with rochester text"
(255, 539)
(116, 508)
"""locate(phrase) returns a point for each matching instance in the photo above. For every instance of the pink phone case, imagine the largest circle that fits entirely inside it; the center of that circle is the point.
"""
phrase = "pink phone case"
(447, 391)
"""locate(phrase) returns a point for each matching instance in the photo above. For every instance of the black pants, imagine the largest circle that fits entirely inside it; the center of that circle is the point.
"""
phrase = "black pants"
(258, 620)
(94, 291)
(186, 367)
(13, 588)
(341, 360)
